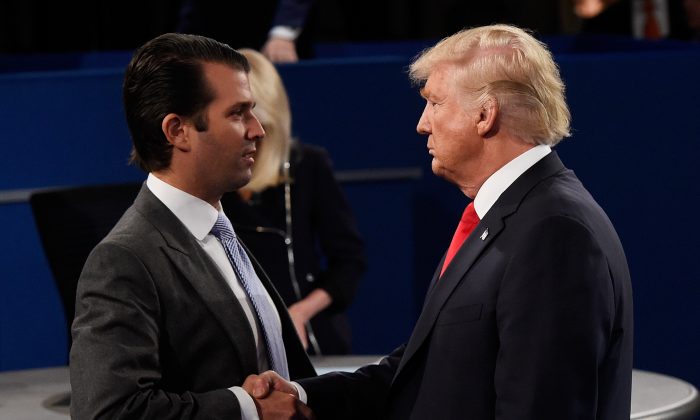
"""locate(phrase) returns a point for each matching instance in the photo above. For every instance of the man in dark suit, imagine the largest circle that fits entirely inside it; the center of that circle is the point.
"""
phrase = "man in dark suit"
(275, 27)
(530, 316)
(171, 315)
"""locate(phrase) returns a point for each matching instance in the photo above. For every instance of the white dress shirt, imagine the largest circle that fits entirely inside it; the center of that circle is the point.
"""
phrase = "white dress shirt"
(494, 185)
(199, 217)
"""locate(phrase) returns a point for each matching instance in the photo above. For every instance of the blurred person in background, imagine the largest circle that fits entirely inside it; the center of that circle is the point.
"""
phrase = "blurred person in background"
(640, 19)
(297, 222)
(273, 27)
(692, 15)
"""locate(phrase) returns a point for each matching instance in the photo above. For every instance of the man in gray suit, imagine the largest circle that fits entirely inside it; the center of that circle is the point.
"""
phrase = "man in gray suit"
(168, 324)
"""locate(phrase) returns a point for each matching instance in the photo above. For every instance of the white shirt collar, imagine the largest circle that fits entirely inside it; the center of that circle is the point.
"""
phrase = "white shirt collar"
(502, 179)
(197, 215)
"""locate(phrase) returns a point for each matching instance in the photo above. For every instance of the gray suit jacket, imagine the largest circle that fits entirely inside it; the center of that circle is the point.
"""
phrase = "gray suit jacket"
(158, 333)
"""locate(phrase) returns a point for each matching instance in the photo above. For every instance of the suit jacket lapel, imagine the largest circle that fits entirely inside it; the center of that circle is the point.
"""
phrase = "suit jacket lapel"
(436, 276)
(203, 275)
(441, 289)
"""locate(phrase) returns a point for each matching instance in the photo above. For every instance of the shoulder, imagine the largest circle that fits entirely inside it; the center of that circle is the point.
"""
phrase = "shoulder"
(560, 208)
(562, 194)
(309, 152)
(134, 237)
(310, 160)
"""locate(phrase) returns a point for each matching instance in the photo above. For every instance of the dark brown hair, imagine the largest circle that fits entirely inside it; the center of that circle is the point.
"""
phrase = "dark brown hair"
(166, 76)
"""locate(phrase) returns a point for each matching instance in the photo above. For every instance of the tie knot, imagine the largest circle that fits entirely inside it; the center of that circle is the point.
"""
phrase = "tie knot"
(469, 216)
(222, 228)
(466, 225)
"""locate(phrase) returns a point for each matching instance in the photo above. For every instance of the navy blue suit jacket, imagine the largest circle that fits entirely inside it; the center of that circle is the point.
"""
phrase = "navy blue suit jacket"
(531, 320)
(292, 12)
(253, 19)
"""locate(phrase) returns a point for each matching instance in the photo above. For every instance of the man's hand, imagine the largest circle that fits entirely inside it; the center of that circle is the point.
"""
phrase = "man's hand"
(260, 386)
(280, 50)
(283, 406)
(275, 397)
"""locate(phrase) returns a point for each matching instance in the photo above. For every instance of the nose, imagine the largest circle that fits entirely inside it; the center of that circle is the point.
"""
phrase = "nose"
(255, 129)
(423, 126)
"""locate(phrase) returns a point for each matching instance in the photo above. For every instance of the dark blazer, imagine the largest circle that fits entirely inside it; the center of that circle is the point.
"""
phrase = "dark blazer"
(323, 228)
(292, 12)
(158, 333)
(531, 320)
(212, 18)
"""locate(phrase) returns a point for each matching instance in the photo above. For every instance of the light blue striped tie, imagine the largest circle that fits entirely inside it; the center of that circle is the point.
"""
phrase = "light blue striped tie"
(241, 264)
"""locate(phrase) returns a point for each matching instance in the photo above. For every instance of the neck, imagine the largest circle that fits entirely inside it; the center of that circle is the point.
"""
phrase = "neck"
(497, 153)
(188, 185)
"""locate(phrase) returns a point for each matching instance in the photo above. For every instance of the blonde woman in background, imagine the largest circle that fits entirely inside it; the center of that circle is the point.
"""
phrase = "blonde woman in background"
(293, 215)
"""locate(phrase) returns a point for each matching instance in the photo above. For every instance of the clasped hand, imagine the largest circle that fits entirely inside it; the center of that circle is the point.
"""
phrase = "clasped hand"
(276, 398)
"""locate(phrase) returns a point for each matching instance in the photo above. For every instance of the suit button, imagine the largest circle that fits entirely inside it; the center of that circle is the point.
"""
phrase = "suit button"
(310, 277)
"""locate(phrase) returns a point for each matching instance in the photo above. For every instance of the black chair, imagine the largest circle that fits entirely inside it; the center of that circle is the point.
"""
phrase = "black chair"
(70, 223)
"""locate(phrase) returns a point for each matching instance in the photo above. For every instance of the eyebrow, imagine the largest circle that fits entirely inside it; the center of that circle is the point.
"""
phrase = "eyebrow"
(429, 96)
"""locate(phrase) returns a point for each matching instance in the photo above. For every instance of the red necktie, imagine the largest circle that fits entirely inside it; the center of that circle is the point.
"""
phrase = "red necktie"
(466, 226)
(651, 24)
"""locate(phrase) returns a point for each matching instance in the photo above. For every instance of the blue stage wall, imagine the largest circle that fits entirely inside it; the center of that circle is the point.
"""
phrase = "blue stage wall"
(635, 141)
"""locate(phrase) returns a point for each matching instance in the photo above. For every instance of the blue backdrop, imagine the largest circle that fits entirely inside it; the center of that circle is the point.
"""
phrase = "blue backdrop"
(635, 140)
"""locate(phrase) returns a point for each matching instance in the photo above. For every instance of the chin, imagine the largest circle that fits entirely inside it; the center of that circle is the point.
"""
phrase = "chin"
(239, 183)
(437, 169)
(442, 173)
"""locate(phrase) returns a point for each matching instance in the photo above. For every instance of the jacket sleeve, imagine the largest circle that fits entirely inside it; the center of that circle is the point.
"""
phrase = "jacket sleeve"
(115, 368)
(339, 238)
(353, 395)
(292, 13)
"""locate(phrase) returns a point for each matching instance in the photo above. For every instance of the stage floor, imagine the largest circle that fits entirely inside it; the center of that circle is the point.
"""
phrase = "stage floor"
(43, 394)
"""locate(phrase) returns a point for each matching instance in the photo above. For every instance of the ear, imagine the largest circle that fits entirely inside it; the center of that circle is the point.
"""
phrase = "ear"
(488, 117)
(176, 132)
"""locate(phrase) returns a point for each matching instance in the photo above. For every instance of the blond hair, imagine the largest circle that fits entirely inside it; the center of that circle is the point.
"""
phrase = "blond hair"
(508, 64)
(272, 109)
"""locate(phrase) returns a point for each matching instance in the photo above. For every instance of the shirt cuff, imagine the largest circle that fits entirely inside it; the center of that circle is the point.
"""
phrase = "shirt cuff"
(245, 401)
(302, 394)
(284, 32)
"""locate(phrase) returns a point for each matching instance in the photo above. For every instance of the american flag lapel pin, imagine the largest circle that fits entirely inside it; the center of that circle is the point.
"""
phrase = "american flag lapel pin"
(485, 234)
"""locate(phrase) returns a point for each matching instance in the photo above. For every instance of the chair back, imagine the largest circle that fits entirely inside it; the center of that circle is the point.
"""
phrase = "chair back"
(70, 222)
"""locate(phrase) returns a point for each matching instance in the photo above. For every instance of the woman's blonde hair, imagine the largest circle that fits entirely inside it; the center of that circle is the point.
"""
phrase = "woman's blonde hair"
(272, 109)
(506, 63)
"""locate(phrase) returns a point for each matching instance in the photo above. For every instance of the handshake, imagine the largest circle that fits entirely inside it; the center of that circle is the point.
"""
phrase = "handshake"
(276, 398)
